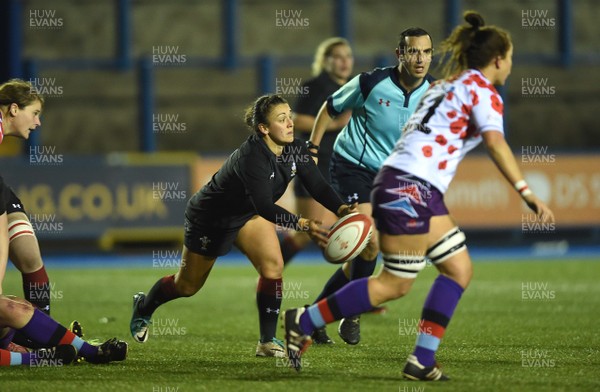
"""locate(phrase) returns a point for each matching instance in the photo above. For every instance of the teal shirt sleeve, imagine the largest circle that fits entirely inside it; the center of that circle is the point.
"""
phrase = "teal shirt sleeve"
(349, 96)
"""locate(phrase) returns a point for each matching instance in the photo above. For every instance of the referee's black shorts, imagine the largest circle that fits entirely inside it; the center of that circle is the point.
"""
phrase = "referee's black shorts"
(352, 182)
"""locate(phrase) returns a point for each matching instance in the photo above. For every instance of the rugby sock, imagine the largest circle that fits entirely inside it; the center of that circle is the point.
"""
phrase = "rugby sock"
(268, 300)
(34, 358)
(437, 312)
(163, 291)
(361, 268)
(36, 287)
(9, 358)
(336, 282)
(289, 249)
(351, 300)
(48, 333)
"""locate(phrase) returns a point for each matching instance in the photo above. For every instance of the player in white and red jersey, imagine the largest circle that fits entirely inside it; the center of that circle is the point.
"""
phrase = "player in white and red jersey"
(413, 222)
(448, 123)
(20, 109)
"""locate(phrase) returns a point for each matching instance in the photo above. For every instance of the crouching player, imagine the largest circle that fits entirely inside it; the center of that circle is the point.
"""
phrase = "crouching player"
(19, 316)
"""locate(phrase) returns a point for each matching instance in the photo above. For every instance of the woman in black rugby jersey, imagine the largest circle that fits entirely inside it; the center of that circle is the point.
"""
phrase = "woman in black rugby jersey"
(238, 207)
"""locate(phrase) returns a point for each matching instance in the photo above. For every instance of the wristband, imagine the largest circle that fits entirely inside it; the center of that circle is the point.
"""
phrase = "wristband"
(522, 187)
(311, 146)
(313, 154)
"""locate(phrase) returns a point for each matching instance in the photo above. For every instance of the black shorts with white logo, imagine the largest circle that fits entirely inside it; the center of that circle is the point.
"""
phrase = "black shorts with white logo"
(352, 182)
(13, 203)
(209, 240)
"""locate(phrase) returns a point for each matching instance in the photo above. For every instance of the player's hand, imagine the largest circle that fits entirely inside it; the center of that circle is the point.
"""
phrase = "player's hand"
(346, 209)
(542, 211)
(314, 230)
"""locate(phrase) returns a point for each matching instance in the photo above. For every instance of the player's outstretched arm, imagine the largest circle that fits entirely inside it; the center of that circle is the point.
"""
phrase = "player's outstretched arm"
(507, 164)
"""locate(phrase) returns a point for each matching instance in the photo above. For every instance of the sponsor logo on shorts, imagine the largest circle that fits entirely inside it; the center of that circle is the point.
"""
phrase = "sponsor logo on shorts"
(413, 224)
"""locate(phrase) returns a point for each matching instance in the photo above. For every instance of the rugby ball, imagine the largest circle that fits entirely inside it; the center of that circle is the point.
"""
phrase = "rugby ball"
(348, 237)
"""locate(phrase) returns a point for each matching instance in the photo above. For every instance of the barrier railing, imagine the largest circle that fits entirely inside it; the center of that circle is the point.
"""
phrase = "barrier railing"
(230, 58)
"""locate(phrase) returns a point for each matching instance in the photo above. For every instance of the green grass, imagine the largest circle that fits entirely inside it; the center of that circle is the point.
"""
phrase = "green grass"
(496, 341)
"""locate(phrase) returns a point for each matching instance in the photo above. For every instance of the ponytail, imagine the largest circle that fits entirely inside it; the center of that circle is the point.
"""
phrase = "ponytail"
(472, 45)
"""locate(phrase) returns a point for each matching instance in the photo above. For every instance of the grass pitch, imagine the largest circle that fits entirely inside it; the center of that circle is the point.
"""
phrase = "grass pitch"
(521, 326)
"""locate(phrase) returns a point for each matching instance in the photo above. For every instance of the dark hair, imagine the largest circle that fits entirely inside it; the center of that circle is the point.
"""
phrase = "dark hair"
(258, 112)
(19, 92)
(473, 45)
(411, 32)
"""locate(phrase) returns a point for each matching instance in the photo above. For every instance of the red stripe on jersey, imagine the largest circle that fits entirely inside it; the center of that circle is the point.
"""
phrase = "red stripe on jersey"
(325, 311)
(431, 328)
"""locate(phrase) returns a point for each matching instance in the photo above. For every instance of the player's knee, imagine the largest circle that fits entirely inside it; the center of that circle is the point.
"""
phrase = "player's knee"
(272, 269)
(450, 244)
(459, 271)
(390, 286)
(13, 308)
(445, 254)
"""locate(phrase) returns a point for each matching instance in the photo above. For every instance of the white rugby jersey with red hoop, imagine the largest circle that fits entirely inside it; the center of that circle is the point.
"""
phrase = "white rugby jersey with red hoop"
(446, 125)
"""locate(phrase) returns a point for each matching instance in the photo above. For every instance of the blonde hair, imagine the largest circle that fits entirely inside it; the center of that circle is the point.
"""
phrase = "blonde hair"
(324, 50)
(472, 45)
(19, 92)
